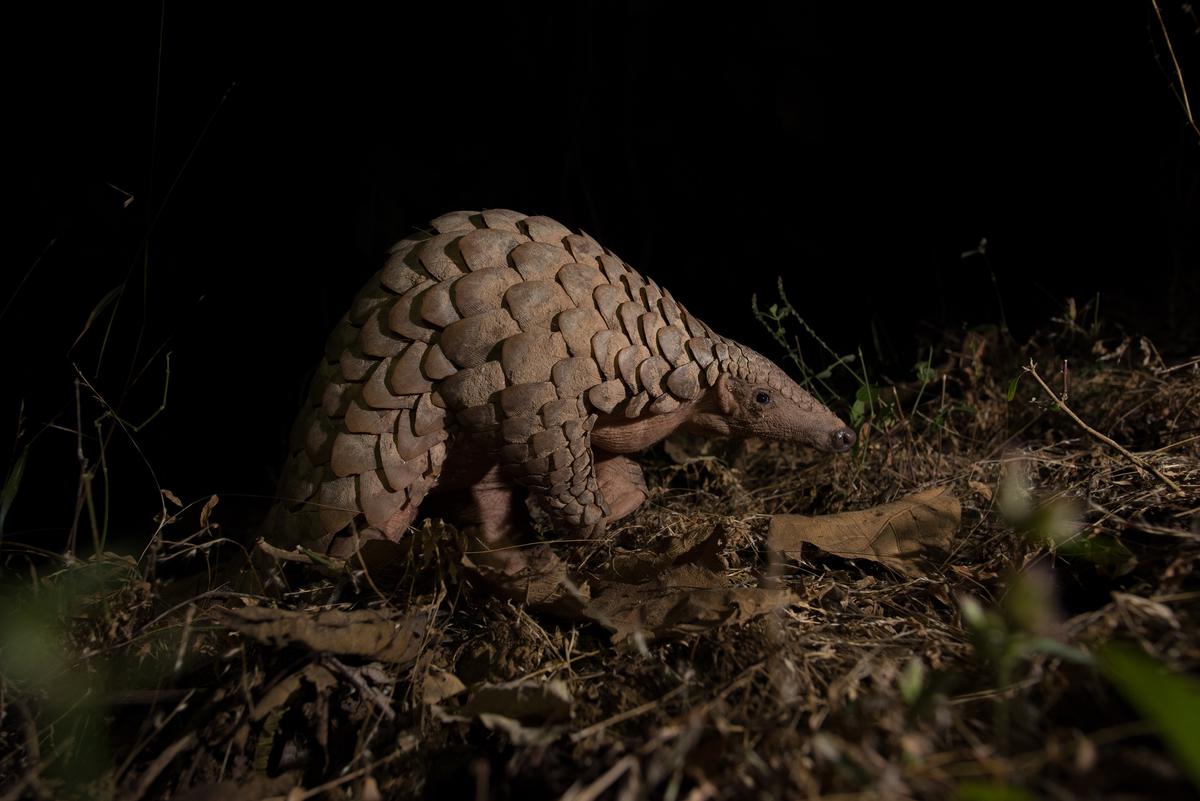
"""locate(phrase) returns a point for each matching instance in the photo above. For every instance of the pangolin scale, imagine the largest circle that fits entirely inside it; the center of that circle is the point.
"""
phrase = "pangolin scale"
(502, 352)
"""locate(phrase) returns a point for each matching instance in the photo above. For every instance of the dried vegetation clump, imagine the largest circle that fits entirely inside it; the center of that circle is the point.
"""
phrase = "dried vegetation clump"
(1015, 624)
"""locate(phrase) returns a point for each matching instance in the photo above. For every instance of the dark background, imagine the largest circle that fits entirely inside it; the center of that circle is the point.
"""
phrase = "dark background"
(273, 154)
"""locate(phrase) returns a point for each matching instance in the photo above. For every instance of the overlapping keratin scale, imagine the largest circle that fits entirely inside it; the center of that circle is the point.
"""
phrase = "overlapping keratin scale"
(502, 326)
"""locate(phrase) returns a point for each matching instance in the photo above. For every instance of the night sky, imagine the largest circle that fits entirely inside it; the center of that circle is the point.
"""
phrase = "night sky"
(855, 153)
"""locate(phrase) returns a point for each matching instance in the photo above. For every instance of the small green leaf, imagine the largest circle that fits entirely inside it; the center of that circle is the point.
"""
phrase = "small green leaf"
(1169, 701)
(972, 613)
(912, 681)
(1012, 388)
(1052, 647)
(990, 791)
(1110, 556)
(12, 483)
(857, 411)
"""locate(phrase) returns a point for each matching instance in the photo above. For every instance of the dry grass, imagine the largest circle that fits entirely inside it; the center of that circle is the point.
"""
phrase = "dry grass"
(978, 679)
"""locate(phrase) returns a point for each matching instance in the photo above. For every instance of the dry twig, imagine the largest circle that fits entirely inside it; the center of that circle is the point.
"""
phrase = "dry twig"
(1136, 460)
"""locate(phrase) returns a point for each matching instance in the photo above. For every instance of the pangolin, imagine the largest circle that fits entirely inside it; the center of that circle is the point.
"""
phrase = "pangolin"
(502, 354)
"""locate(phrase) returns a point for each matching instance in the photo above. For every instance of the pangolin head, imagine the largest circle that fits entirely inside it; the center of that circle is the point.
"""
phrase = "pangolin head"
(753, 397)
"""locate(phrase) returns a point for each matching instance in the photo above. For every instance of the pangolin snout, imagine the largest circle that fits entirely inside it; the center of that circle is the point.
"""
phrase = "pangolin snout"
(842, 439)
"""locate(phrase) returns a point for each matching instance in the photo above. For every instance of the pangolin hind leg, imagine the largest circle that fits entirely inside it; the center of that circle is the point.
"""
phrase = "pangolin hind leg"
(386, 476)
(496, 522)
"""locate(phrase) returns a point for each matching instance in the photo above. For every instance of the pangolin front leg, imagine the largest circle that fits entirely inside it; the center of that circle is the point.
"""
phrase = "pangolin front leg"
(621, 483)
(560, 475)
(546, 430)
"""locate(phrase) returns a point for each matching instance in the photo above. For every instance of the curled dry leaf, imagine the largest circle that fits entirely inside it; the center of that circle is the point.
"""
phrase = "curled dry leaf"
(363, 632)
(894, 534)
(683, 600)
(207, 509)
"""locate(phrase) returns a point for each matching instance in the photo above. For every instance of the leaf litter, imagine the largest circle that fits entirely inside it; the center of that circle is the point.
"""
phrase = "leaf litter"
(929, 617)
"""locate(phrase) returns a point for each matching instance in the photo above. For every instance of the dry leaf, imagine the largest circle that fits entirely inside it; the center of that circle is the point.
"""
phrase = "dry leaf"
(529, 711)
(528, 701)
(364, 632)
(982, 489)
(206, 511)
(279, 694)
(520, 734)
(684, 600)
(439, 685)
(1146, 608)
(893, 534)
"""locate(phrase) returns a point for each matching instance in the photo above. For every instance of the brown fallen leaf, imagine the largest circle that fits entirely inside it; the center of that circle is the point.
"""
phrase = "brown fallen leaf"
(529, 711)
(439, 685)
(683, 600)
(530, 701)
(363, 632)
(520, 734)
(278, 695)
(894, 534)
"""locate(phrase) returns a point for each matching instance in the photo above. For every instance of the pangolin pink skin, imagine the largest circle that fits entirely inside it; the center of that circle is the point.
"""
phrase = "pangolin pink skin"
(502, 354)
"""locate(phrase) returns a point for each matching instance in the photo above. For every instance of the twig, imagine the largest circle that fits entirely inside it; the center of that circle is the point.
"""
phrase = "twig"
(1187, 106)
(1135, 459)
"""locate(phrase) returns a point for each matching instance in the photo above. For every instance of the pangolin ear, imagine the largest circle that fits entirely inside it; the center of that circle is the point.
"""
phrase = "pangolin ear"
(725, 400)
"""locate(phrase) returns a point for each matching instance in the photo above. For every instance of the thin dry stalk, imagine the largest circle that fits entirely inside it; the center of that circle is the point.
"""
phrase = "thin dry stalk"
(1136, 460)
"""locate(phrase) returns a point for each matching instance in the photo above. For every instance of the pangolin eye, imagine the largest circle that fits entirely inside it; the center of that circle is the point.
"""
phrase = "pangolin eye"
(763, 398)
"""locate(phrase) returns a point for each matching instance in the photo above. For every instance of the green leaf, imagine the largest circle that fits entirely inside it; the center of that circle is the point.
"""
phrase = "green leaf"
(990, 791)
(1053, 647)
(1169, 701)
(12, 483)
(912, 681)
(1110, 556)
(857, 412)
(1012, 388)
(972, 613)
